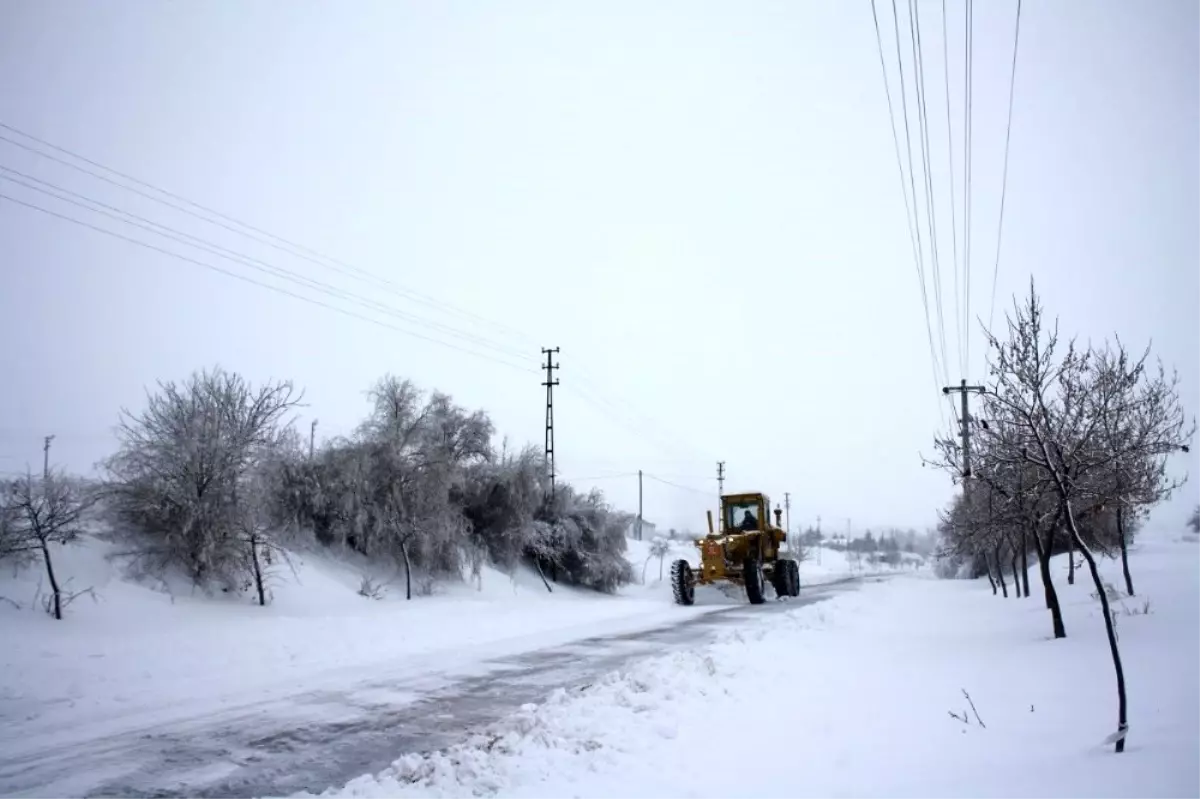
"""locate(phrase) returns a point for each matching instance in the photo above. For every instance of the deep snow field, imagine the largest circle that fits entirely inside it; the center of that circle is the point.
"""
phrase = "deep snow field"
(848, 696)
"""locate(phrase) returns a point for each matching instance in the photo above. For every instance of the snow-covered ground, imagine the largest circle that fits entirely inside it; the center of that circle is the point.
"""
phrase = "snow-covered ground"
(863, 694)
(137, 656)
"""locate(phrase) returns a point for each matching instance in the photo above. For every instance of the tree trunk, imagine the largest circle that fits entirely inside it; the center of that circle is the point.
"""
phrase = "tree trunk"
(1016, 574)
(1025, 560)
(57, 592)
(258, 573)
(1000, 573)
(1113, 648)
(537, 563)
(1124, 550)
(988, 563)
(407, 569)
(1060, 630)
(1071, 556)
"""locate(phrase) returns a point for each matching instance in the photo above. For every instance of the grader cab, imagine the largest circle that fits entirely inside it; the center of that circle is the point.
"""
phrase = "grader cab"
(744, 550)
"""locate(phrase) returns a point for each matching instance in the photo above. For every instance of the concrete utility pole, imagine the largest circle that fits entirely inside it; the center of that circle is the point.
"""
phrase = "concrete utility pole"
(46, 457)
(639, 520)
(787, 507)
(550, 383)
(721, 477)
(312, 438)
(964, 390)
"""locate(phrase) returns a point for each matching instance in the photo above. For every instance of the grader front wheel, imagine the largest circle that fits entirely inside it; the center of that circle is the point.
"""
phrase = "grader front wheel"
(682, 583)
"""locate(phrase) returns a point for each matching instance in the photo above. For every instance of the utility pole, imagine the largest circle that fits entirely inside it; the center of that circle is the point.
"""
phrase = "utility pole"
(312, 438)
(550, 383)
(639, 520)
(787, 523)
(720, 493)
(819, 547)
(964, 390)
(46, 458)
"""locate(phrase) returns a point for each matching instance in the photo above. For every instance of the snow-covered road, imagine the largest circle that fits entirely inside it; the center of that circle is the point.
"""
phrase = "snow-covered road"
(347, 723)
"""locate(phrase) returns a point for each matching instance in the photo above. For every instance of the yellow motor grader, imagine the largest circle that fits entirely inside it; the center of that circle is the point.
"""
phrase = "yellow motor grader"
(744, 551)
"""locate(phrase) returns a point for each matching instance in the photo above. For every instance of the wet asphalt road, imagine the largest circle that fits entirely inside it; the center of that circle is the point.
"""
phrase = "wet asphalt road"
(326, 738)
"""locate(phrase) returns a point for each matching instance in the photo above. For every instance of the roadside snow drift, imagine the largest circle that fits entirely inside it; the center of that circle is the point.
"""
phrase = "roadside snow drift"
(864, 695)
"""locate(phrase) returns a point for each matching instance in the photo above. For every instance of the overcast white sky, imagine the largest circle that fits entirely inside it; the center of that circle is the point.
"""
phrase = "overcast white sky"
(698, 202)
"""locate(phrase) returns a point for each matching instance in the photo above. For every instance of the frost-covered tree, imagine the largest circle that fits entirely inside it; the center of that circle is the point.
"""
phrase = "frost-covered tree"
(174, 482)
(38, 513)
(659, 548)
(586, 539)
(1194, 520)
(501, 500)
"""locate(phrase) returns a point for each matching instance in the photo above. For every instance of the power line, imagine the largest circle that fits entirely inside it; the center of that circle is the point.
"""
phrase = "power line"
(623, 476)
(645, 431)
(914, 31)
(913, 223)
(279, 242)
(638, 431)
(968, 133)
(680, 487)
(261, 284)
(222, 251)
(257, 264)
(953, 202)
(1012, 83)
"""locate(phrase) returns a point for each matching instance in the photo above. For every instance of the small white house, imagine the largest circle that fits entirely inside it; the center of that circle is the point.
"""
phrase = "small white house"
(647, 530)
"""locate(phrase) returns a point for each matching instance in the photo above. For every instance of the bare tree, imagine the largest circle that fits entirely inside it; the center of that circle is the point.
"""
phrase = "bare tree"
(1140, 422)
(261, 551)
(41, 513)
(1058, 405)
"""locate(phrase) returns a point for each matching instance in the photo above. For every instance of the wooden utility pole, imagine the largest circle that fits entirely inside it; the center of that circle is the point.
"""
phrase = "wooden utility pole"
(550, 383)
(46, 457)
(312, 438)
(964, 390)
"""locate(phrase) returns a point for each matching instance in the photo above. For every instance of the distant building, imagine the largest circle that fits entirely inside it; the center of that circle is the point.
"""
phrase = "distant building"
(647, 530)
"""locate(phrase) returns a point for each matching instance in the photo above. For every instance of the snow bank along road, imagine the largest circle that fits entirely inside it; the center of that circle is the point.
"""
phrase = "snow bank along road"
(326, 730)
(854, 696)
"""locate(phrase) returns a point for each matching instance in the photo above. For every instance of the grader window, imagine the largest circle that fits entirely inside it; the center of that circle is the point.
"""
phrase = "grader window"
(742, 516)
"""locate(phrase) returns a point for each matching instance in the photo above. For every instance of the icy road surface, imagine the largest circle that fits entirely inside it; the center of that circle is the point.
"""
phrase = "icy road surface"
(319, 738)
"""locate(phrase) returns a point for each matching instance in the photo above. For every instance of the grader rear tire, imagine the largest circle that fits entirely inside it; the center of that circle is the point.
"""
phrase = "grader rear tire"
(682, 584)
(794, 575)
(781, 578)
(755, 582)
